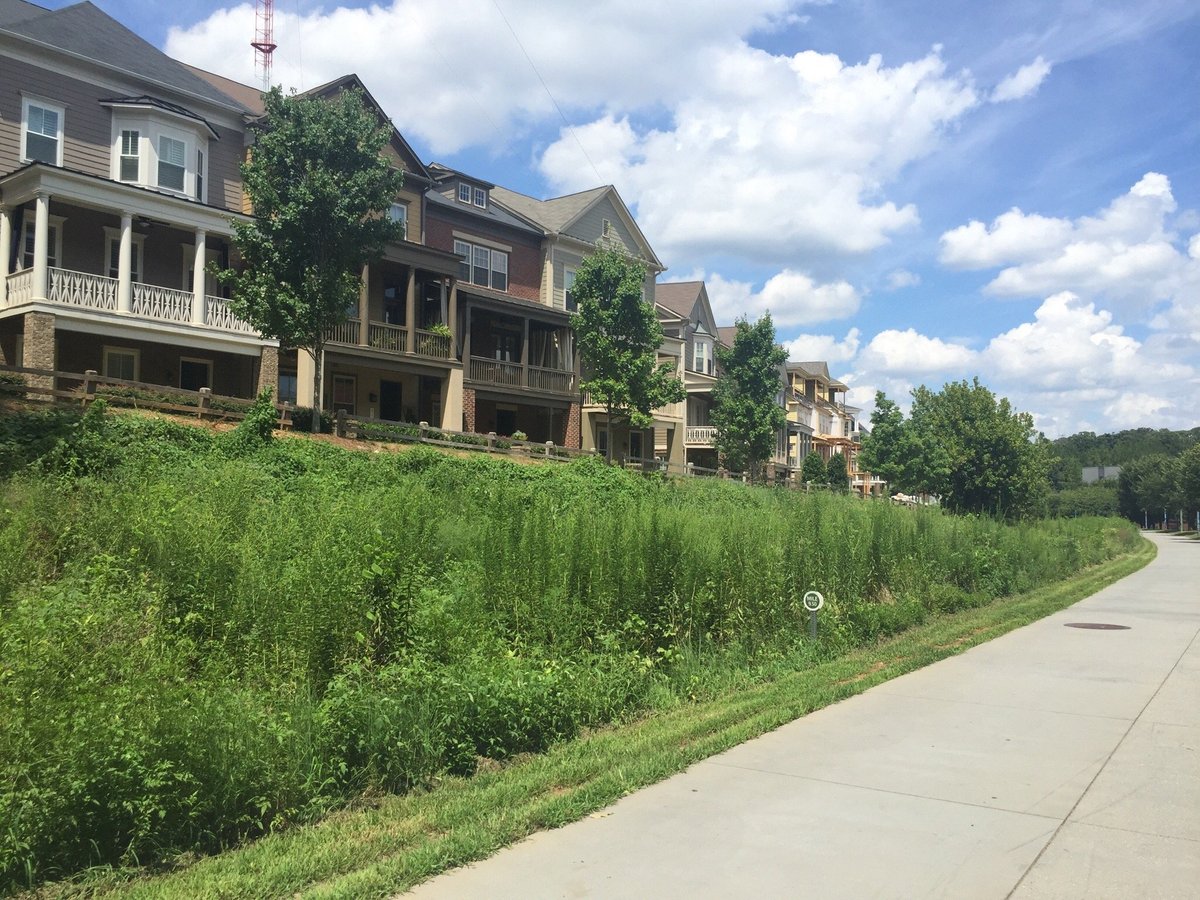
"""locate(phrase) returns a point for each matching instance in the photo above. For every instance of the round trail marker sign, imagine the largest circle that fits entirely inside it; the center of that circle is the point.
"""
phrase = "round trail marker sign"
(813, 601)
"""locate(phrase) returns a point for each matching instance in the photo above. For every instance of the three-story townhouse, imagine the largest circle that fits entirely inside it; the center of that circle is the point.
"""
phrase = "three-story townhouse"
(697, 329)
(118, 171)
(573, 227)
(520, 371)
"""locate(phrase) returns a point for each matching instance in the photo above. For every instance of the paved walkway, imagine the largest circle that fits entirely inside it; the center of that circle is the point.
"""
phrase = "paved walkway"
(1053, 762)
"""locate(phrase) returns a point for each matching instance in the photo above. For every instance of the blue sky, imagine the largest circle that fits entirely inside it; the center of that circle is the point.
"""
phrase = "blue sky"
(918, 192)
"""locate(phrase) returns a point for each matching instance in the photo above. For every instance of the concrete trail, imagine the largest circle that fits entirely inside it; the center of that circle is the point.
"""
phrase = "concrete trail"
(1053, 762)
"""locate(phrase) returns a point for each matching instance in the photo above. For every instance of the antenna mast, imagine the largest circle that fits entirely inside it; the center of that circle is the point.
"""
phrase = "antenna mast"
(264, 42)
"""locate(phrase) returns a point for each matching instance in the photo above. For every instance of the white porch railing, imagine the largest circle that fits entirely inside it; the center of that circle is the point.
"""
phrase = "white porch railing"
(80, 289)
(20, 287)
(156, 302)
(217, 314)
(699, 435)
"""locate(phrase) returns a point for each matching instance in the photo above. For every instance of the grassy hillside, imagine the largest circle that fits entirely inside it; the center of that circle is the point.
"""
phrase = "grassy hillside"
(205, 637)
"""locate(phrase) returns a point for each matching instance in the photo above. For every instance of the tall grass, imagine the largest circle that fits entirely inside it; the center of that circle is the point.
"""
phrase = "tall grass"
(203, 637)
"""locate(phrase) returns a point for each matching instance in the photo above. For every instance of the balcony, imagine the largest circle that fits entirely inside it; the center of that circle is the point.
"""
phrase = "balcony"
(699, 436)
(515, 375)
(82, 290)
(391, 338)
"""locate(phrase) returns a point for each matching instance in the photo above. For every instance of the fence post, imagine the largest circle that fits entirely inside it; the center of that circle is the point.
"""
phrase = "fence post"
(690, 470)
(722, 472)
(771, 473)
(423, 428)
(550, 449)
(89, 386)
(339, 427)
(491, 441)
(205, 402)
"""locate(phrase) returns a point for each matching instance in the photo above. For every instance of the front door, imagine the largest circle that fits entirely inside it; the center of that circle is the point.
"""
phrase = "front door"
(390, 401)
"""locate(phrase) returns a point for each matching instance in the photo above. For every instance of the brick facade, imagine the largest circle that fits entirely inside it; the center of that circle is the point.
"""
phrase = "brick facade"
(574, 440)
(468, 409)
(524, 262)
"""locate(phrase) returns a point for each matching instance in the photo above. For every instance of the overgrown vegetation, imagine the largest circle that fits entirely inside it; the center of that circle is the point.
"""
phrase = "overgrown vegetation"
(205, 637)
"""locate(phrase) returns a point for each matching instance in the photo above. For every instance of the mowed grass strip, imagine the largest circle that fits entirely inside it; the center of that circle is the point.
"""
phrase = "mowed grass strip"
(403, 840)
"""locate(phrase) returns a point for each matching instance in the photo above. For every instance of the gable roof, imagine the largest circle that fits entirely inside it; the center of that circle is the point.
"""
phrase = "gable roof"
(557, 214)
(726, 334)
(85, 31)
(680, 296)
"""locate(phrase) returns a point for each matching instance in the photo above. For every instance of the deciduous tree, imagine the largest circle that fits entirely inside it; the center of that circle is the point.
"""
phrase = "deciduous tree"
(813, 470)
(746, 410)
(619, 335)
(319, 187)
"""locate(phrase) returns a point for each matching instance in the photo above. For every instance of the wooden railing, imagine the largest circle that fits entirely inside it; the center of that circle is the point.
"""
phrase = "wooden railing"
(494, 371)
(430, 343)
(217, 314)
(699, 435)
(551, 380)
(343, 333)
(382, 336)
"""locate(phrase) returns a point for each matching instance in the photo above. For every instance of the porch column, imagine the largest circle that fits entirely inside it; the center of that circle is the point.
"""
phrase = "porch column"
(198, 263)
(41, 247)
(467, 342)
(525, 356)
(364, 307)
(410, 312)
(125, 265)
(452, 317)
(5, 248)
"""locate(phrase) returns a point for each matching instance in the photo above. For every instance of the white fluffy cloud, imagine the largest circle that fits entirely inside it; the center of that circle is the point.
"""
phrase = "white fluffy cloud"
(452, 73)
(792, 298)
(1023, 82)
(902, 278)
(778, 159)
(906, 352)
(824, 346)
(1127, 254)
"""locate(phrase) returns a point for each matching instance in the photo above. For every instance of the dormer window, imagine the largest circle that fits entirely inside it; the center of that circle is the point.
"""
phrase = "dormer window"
(464, 192)
(702, 358)
(481, 198)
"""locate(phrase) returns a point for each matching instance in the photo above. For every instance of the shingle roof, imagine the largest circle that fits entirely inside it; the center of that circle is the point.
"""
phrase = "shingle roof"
(147, 100)
(15, 10)
(726, 334)
(553, 214)
(679, 296)
(84, 30)
(248, 96)
(493, 213)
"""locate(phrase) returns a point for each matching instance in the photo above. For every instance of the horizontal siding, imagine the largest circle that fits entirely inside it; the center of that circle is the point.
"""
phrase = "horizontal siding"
(224, 173)
(590, 226)
(562, 261)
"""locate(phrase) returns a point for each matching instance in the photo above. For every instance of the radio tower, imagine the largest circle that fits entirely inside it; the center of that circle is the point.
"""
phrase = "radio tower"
(264, 42)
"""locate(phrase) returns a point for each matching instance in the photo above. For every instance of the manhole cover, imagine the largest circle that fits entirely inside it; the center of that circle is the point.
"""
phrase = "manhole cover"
(1098, 626)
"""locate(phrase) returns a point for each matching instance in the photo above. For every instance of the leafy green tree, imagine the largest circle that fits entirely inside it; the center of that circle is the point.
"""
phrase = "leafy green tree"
(619, 335)
(1098, 499)
(836, 475)
(1149, 485)
(746, 410)
(812, 470)
(909, 460)
(319, 187)
(986, 457)
(1189, 478)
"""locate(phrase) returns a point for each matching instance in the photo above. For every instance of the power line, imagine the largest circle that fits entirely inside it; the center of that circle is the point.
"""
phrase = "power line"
(546, 88)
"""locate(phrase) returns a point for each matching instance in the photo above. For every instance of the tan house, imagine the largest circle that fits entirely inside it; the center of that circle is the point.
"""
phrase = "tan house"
(118, 169)
(573, 227)
(818, 401)
(689, 319)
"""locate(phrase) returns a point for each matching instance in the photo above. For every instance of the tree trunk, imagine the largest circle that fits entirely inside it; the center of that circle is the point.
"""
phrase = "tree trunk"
(608, 430)
(318, 360)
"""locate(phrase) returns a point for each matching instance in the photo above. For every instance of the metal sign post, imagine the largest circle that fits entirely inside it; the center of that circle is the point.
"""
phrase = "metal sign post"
(813, 601)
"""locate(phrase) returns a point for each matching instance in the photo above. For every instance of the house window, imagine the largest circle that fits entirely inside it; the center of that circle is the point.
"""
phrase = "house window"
(121, 362)
(54, 233)
(481, 198)
(602, 438)
(345, 387)
(172, 163)
(112, 242)
(399, 214)
(569, 290)
(130, 162)
(200, 175)
(287, 387)
(702, 357)
(195, 373)
(635, 444)
(464, 192)
(41, 132)
(482, 265)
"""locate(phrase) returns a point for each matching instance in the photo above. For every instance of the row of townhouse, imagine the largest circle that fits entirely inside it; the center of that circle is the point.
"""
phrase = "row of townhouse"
(119, 171)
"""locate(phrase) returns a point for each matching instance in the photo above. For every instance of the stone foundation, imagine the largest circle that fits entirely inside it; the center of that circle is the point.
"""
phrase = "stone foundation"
(39, 351)
(468, 401)
(268, 371)
(574, 439)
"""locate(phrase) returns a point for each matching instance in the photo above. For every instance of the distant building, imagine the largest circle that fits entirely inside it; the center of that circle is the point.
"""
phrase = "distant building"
(1092, 474)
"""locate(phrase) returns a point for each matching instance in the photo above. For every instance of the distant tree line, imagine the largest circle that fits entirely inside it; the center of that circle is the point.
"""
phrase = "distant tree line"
(1117, 449)
(1158, 486)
